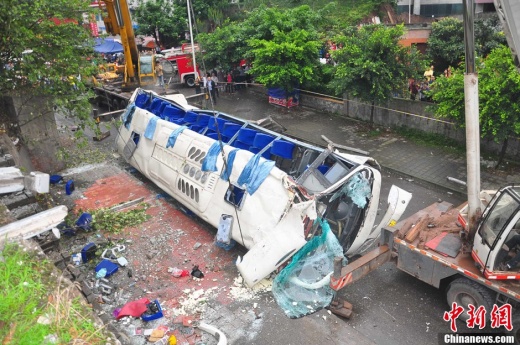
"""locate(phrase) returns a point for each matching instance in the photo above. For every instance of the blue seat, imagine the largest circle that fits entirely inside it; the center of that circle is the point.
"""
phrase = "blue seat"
(191, 117)
(262, 140)
(171, 113)
(282, 148)
(154, 105)
(212, 135)
(158, 111)
(246, 136)
(323, 169)
(230, 129)
(216, 123)
(266, 154)
(142, 100)
(241, 145)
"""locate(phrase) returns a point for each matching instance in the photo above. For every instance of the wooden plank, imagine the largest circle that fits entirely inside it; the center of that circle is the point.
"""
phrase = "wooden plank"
(412, 235)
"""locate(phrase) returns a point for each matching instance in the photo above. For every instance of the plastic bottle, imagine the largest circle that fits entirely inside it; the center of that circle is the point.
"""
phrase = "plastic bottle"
(101, 273)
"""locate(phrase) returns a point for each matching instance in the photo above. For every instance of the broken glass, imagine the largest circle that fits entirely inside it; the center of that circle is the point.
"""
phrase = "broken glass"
(302, 287)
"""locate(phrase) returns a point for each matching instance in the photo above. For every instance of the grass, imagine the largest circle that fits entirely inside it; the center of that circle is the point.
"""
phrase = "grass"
(32, 291)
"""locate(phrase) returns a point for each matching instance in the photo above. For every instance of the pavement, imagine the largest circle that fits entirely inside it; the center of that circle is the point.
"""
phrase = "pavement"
(424, 164)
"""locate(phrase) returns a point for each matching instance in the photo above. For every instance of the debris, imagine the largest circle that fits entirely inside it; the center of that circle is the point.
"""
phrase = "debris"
(178, 273)
(197, 245)
(116, 312)
(76, 259)
(109, 267)
(196, 272)
(69, 187)
(101, 273)
(153, 311)
(222, 339)
(156, 335)
(134, 308)
(88, 252)
(122, 261)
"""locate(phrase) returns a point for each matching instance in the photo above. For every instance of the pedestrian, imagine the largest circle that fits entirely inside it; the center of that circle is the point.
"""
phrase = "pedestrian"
(214, 78)
(211, 90)
(221, 80)
(412, 86)
(197, 86)
(229, 85)
(159, 72)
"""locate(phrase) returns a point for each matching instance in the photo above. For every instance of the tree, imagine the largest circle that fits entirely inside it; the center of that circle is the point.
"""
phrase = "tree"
(168, 19)
(372, 64)
(446, 41)
(43, 50)
(230, 43)
(285, 61)
(499, 98)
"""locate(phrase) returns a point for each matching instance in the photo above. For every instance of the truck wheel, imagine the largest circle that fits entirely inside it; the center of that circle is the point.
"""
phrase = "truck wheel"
(464, 292)
(190, 81)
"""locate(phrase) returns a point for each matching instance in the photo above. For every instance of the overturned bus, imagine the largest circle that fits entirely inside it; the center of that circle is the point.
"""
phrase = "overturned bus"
(260, 188)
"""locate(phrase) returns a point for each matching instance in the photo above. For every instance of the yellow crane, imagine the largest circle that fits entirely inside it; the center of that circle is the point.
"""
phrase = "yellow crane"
(139, 69)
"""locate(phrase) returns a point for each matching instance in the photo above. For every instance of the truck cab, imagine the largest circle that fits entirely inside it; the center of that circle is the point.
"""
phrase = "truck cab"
(500, 222)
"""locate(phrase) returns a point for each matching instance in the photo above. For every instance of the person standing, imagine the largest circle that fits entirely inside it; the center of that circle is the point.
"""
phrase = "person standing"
(429, 73)
(214, 78)
(211, 90)
(197, 85)
(221, 80)
(229, 85)
(159, 73)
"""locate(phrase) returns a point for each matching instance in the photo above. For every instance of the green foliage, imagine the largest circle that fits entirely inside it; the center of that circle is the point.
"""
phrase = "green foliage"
(448, 94)
(372, 64)
(30, 291)
(45, 58)
(285, 61)
(169, 18)
(499, 96)
(488, 35)
(114, 221)
(446, 41)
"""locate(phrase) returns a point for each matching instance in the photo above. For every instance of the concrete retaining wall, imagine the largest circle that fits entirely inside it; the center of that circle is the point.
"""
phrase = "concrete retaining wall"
(31, 119)
(400, 112)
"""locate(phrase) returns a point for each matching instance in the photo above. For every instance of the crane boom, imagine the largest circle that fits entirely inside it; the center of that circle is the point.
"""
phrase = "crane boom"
(509, 12)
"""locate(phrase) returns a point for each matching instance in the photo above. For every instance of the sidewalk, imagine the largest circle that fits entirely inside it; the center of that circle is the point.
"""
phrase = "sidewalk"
(424, 164)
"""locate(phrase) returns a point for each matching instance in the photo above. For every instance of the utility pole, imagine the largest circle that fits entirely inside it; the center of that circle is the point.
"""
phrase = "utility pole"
(472, 119)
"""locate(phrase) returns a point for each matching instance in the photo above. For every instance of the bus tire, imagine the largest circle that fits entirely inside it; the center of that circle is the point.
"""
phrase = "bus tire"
(464, 291)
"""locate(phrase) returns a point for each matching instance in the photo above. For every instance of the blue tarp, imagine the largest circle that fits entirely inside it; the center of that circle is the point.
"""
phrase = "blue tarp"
(229, 168)
(127, 115)
(107, 46)
(150, 128)
(254, 173)
(210, 161)
(173, 137)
